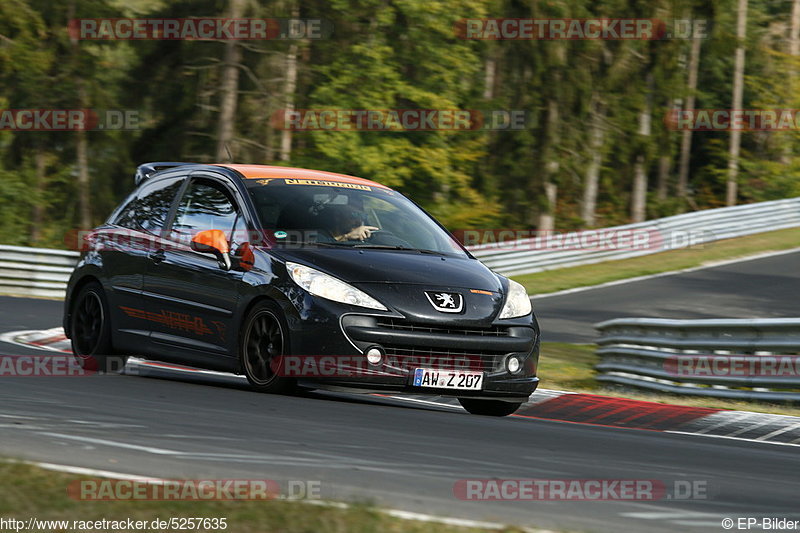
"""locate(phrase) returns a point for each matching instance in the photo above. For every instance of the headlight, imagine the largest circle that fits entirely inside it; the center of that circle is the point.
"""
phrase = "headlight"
(517, 301)
(330, 288)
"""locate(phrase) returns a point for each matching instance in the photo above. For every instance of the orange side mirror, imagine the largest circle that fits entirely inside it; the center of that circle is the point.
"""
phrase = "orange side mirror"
(247, 257)
(210, 240)
(213, 241)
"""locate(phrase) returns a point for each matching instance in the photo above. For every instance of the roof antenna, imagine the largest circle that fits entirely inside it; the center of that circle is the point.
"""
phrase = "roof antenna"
(230, 157)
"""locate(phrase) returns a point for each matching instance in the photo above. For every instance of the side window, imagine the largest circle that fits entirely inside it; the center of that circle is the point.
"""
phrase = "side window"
(241, 234)
(151, 207)
(124, 215)
(205, 205)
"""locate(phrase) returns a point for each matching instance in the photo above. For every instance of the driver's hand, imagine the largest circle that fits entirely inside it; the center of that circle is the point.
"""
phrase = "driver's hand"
(360, 233)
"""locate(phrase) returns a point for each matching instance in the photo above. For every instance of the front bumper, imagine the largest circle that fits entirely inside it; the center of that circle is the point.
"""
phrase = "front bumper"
(406, 346)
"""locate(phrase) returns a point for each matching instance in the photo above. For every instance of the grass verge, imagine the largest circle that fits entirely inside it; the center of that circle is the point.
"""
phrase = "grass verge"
(28, 491)
(570, 367)
(582, 276)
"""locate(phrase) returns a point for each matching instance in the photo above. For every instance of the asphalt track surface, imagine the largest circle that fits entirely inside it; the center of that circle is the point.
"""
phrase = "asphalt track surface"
(408, 456)
(760, 288)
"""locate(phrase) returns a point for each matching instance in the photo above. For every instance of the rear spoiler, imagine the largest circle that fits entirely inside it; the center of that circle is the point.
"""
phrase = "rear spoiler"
(146, 170)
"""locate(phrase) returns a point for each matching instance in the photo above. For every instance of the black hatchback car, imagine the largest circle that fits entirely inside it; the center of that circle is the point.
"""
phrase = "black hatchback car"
(298, 277)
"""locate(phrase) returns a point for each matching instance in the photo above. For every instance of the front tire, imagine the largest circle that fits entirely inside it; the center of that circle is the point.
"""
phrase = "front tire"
(90, 331)
(262, 341)
(489, 407)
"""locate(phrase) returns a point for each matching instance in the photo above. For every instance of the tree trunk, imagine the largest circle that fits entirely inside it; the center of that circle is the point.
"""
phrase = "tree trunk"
(592, 179)
(37, 208)
(81, 144)
(83, 180)
(664, 167)
(794, 32)
(547, 219)
(665, 159)
(288, 93)
(82, 148)
(686, 136)
(794, 51)
(229, 89)
(269, 148)
(738, 87)
(639, 190)
(490, 72)
(552, 165)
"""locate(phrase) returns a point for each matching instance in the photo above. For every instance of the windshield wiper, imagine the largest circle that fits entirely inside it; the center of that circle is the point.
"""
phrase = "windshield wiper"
(397, 247)
(314, 243)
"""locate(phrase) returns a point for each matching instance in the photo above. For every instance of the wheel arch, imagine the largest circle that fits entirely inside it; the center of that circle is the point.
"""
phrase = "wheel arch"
(272, 296)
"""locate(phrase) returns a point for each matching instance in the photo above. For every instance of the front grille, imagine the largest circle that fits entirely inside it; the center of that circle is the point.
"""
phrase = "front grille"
(411, 357)
(402, 325)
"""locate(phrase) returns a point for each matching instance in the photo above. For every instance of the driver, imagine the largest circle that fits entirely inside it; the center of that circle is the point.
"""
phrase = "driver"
(343, 223)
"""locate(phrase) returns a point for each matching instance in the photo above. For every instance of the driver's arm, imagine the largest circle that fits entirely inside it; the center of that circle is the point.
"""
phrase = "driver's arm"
(359, 233)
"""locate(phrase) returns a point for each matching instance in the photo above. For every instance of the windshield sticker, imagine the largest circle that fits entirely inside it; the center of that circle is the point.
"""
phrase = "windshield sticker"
(264, 181)
(327, 184)
(280, 234)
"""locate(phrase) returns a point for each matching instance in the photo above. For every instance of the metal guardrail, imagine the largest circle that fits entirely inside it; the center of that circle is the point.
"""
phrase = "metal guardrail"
(526, 256)
(677, 356)
(35, 271)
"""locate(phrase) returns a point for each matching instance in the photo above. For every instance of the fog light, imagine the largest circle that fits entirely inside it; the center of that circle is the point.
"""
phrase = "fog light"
(513, 364)
(374, 355)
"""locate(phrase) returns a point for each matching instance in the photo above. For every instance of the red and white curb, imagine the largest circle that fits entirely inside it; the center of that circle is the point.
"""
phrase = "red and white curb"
(544, 404)
(55, 340)
(47, 339)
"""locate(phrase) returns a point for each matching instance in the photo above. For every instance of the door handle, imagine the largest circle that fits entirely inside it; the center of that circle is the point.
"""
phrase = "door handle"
(158, 256)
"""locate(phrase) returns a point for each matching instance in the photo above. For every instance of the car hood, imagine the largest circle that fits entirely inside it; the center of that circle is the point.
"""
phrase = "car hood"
(409, 282)
(400, 267)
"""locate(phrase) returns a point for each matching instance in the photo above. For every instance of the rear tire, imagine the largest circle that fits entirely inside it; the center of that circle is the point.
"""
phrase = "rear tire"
(489, 407)
(90, 331)
(262, 340)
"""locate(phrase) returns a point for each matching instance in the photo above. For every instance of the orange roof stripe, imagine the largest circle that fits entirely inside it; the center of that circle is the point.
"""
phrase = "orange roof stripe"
(266, 171)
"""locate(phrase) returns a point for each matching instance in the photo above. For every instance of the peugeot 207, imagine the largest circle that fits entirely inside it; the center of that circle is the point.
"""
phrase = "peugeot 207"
(298, 277)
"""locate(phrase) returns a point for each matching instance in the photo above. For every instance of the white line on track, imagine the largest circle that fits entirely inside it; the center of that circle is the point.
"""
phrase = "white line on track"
(733, 438)
(92, 440)
(79, 470)
(779, 431)
(664, 515)
(729, 417)
(428, 402)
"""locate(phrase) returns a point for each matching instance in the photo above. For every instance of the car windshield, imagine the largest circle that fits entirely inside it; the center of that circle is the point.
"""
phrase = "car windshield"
(325, 213)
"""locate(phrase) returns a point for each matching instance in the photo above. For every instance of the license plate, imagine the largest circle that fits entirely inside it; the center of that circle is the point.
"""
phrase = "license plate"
(447, 379)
